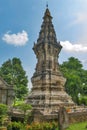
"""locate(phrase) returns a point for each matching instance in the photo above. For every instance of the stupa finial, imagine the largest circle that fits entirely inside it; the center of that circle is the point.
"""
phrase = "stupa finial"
(47, 4)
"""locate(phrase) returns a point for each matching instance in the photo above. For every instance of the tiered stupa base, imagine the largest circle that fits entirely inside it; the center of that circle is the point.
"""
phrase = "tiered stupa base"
(47, 96)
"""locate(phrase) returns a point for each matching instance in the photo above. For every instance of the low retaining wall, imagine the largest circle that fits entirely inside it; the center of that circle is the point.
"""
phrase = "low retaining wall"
(37, 116)
(76, 117)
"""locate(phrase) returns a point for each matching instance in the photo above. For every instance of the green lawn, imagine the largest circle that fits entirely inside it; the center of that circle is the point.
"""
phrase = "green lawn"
(78, 126)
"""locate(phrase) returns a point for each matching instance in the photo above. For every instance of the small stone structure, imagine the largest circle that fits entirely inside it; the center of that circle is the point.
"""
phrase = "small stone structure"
(6, 93)
(48, 82)
(63, 119)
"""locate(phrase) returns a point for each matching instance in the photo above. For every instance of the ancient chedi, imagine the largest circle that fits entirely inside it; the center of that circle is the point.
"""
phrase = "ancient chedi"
(48, 83)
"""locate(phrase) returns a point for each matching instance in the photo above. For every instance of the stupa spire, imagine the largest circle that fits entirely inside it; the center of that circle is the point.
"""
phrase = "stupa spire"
(47, 33)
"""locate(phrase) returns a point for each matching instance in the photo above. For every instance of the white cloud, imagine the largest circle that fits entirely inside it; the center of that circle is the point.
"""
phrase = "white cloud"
(67, 46)
(18, 39)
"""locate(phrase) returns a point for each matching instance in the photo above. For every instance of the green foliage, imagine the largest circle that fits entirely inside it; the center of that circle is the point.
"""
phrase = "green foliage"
(76, 77)
(42, 126)
(82, 100)
(45, 126)
(72, 63)
(15, 126)
(25, 109)
(3, 109)
(22, 105)
(17, 102)
(33, 126)
(12, 72)
(3, 112)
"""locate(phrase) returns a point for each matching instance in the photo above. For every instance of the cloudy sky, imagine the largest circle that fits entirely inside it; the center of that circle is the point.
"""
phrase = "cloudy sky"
(20, 23)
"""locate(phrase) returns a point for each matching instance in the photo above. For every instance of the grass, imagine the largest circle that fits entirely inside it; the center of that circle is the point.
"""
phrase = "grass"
(78, 126)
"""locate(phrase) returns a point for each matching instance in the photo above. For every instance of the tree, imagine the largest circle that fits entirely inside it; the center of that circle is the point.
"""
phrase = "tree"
(13, 73)
(76, 77)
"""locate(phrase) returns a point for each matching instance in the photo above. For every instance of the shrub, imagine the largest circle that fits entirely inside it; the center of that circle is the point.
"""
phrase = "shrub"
(3, 112)
(42, 126)
(15, 126)
(33, 126)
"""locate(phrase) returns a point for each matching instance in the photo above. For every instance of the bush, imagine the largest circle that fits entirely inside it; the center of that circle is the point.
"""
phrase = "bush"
(33, 126)
(15, 126)
(3, 112)
(42, 126)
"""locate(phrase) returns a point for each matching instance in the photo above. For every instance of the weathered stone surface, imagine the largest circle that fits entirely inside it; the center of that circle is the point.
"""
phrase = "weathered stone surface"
(48, 82)
(79, 116)
(6, 93)
(63, 119)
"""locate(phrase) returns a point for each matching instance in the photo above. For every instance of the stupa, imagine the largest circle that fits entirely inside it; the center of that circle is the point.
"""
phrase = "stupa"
(48, 92)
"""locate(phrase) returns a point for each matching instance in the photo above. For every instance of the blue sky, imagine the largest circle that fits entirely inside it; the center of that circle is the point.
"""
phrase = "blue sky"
(20, 23)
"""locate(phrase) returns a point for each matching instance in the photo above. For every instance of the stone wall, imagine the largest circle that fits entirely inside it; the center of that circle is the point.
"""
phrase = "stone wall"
(36, 116)
(76, 117)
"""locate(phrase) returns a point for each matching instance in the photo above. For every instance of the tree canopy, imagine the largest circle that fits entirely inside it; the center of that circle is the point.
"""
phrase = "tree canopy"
(76, 77)
(13, 73)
